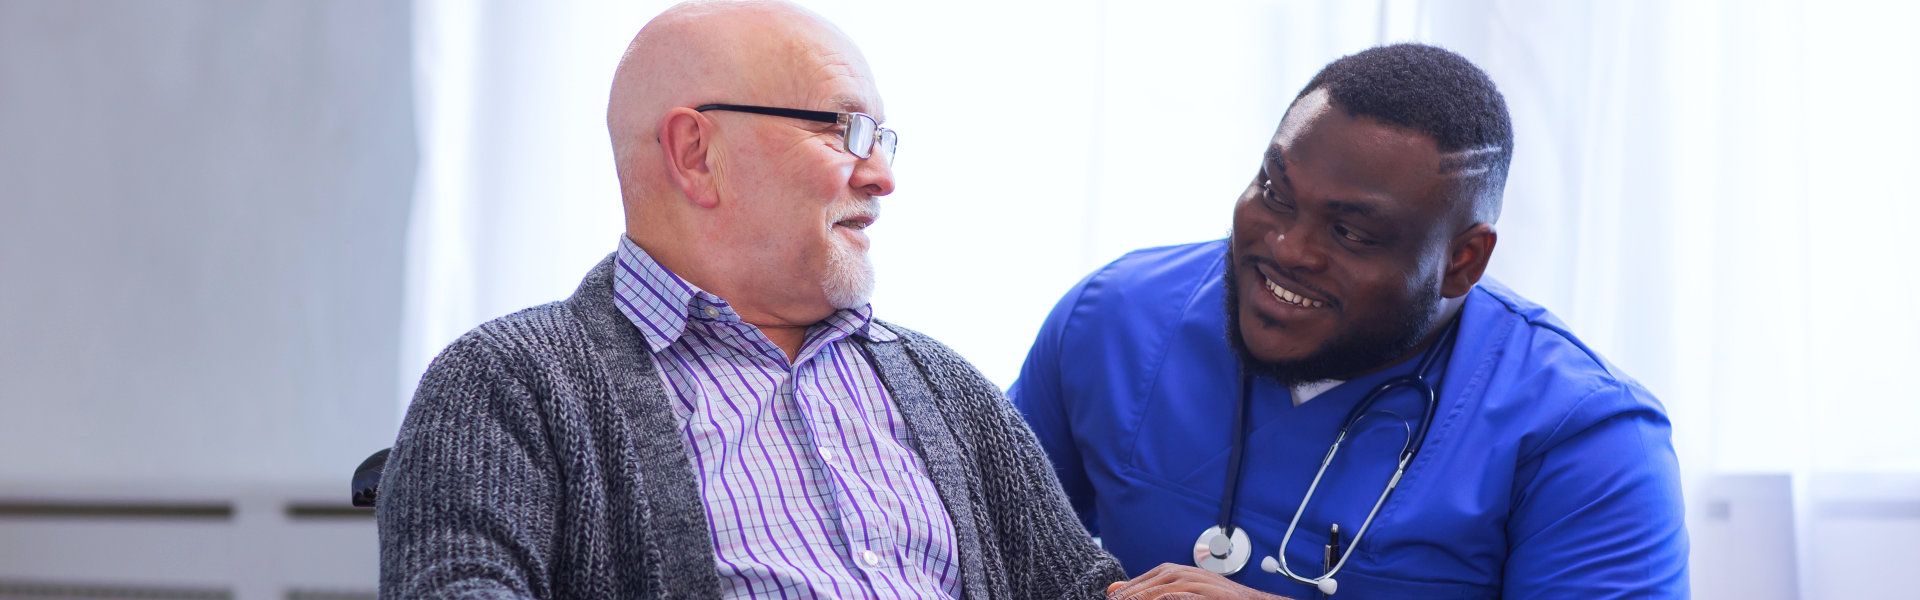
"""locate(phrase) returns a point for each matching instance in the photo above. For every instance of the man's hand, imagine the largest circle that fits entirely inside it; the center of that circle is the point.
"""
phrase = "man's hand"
(1173, 581)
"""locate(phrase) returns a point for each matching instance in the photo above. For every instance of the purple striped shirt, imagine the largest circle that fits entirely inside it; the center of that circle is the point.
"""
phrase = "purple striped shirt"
(811, 485)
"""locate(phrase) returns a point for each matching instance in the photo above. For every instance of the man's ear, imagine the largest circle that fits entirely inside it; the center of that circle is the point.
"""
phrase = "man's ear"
(686, 144)
(1467, 259)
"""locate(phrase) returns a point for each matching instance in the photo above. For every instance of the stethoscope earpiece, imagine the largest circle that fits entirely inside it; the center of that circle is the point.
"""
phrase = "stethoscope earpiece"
(1327, 586)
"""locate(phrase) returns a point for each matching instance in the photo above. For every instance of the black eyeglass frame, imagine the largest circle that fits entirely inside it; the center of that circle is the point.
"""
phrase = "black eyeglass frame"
(882, 137)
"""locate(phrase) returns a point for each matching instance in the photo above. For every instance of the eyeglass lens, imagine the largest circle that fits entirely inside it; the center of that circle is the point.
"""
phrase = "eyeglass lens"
(860, 137)
(888, 141)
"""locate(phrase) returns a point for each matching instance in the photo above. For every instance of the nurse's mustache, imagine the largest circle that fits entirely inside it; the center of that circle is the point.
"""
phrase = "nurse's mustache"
(1280, 275)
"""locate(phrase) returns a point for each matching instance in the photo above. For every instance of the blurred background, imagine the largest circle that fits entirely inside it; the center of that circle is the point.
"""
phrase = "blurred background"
(232, 234)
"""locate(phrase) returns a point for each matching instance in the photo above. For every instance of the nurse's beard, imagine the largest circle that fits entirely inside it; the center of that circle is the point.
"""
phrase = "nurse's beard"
(1357, 350)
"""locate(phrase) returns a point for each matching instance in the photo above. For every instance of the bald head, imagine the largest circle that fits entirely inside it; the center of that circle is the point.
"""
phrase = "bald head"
(730, 51)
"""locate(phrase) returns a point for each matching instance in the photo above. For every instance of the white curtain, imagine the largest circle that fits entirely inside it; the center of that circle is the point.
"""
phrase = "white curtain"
(515, 197)
(1709, 192)
(1706, 192)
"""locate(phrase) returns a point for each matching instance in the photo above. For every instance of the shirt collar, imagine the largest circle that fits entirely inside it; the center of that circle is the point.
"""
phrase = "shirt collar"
(661, 304)
(857, 321)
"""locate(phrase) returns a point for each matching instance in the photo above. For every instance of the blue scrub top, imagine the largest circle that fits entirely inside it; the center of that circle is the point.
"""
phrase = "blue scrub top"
(1546, 474)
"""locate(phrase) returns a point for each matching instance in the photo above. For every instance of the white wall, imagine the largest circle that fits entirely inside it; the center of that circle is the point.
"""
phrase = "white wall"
(202, 206)
(201, 215)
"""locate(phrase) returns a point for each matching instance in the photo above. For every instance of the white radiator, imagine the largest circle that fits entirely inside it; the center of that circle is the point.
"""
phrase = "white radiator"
(292, 544)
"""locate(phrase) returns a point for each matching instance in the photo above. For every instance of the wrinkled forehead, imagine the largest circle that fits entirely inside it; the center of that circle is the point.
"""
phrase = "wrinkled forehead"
(804, 62)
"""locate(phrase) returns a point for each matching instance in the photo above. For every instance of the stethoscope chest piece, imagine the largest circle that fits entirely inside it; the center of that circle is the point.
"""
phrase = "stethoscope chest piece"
(1218, 552)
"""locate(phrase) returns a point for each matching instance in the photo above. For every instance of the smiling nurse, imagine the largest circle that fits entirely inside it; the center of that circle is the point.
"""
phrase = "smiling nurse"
(1191, 438)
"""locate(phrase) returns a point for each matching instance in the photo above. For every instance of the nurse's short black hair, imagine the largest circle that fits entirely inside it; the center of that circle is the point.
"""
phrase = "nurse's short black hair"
(1435, 92)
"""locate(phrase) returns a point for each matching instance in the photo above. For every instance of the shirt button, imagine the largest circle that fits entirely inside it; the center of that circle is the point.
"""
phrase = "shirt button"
(712, 312)
(872, 560)
(826, 454)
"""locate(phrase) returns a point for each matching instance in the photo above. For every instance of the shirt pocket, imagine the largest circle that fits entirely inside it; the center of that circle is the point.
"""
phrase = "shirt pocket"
(1377, 587)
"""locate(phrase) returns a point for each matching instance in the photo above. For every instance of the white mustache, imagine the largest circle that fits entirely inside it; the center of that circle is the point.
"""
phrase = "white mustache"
(870, 210)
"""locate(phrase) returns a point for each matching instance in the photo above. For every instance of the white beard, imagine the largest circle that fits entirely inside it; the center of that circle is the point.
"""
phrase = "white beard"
(849, 281)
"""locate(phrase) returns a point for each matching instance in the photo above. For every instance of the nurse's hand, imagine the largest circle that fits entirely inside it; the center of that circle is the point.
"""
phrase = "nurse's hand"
(1183, 582)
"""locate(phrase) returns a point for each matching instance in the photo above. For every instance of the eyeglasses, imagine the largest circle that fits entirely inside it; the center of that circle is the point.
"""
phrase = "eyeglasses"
(862, 132)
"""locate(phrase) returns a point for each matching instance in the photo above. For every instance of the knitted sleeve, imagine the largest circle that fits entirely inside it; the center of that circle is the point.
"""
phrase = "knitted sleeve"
(1035, 538)
(466, 503)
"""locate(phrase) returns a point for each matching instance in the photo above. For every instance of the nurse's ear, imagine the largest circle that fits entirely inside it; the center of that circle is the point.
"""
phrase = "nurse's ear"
(1467, 256)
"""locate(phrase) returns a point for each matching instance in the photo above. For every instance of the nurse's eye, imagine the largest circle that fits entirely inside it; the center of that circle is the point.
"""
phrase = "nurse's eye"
(1350, 235)
(1272, 197)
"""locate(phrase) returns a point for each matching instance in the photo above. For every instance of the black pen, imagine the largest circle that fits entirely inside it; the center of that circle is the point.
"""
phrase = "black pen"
(1333, 549)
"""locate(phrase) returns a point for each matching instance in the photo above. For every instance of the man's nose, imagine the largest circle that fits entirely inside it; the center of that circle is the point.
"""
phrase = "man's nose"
(1294, 246)
(874, 174)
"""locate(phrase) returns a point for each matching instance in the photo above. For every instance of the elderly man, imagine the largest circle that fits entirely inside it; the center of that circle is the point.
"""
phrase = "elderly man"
(1200, 443)
(715, 412)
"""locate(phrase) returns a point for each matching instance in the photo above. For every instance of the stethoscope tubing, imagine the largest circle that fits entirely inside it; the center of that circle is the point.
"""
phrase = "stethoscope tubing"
(1400, 469)
(1416, 437)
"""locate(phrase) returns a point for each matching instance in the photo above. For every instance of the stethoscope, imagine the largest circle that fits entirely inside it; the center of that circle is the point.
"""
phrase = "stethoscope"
(1225, 549)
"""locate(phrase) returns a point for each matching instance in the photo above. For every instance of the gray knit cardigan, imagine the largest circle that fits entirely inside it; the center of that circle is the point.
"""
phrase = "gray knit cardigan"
(541, 459)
